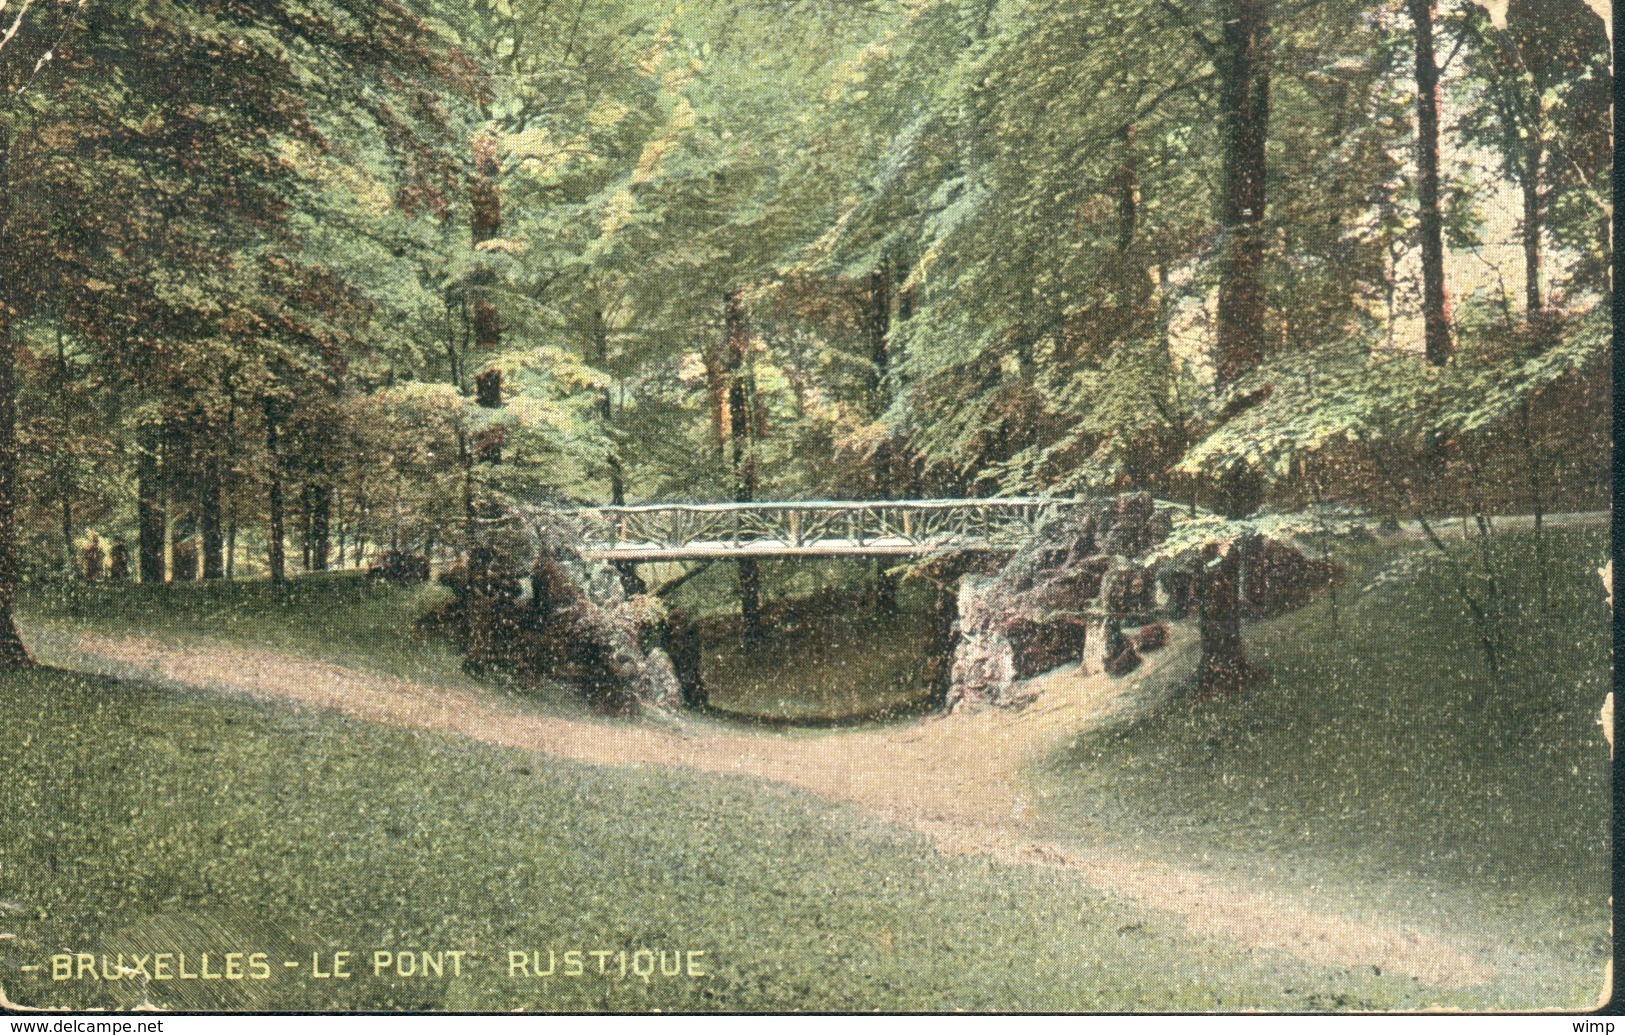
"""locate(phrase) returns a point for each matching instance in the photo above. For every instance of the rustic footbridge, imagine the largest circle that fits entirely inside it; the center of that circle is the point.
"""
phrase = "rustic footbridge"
(880, 528)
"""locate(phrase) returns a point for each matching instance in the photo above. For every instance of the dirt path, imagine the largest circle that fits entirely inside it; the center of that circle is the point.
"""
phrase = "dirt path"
(960, 779)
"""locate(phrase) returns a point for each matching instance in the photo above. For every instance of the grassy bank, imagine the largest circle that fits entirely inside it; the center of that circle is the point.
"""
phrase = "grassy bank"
(1383, 766)
(343, 618)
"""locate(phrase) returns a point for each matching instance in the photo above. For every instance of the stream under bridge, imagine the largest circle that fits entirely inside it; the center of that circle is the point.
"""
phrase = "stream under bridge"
(869, 528)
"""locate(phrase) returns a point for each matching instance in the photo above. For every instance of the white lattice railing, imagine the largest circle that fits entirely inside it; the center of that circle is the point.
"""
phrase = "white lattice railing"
(881, 527)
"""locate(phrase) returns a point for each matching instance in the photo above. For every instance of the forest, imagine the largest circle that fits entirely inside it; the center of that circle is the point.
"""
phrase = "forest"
(286, 287)
(307, 305)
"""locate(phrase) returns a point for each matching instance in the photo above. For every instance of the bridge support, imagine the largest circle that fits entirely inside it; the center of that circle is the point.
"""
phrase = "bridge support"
(750, 602)
(885, 588)
(939, 664)
(632, 583)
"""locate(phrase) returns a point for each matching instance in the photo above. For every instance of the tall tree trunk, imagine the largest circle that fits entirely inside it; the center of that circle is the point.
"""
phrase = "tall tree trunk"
(606, 409)
(341, 527)
(168, 531)
(1534, 296)
(631, 582)
(65, 516)
(210, 540)
(64, 468)
(13, 655)
(182, 551)
(1435, 299)
(1244, 115)
(228, 481)
(939, 664)
(321, 525)
(878, 321)
(149, 509)
(275, 561)
(1224, 665)
(716, 383)
(231, 539)
(877, 329)
(742, 455)
(485, 224)
(304, 526)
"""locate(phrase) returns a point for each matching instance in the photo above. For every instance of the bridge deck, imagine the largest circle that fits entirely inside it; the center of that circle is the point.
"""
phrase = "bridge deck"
(828, 548)
(675, 532)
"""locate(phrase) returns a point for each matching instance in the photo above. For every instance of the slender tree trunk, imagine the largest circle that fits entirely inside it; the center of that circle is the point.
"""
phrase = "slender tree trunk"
(275, 561)
(231, 540)
(877, 328)
(716, 383)
(631, 582)
(228, 481)
(1534, 294)
(13, 655)
(465, 463)
(606, 408)
(485, 224)
(182, 550)
(879, 332)
(304, 526)
(149, 510)
(1244, 114)
(878, 320)
(743, 457)
(321, 522)
(64, 468)
(65, 503)
(1435, 298)
(343, 535)
(1437, 340)
(168, 535)
(939, 666)
(210, 541)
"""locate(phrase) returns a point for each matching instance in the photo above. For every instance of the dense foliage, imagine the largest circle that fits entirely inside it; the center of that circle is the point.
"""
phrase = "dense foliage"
(354, 275)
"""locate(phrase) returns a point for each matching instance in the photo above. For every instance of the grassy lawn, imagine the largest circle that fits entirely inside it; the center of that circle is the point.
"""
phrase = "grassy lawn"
(342, 618)
(141, 820)
(1382, 766)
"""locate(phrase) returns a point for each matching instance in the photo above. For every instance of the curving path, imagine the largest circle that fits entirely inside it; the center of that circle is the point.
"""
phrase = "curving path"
(959, 779)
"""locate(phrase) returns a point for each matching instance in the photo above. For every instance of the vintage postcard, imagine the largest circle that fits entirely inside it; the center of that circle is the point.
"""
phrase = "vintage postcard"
(761, 506)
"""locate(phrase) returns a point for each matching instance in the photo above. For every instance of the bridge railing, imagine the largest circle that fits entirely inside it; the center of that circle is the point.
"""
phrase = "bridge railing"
(830, 528)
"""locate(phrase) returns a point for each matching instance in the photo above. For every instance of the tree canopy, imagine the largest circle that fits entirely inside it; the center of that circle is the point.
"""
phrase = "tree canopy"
(353, 276)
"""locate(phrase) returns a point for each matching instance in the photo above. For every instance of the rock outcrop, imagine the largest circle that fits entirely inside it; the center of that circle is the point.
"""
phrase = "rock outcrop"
(1064, 597)
(557, 615)
(1085, 590)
